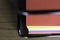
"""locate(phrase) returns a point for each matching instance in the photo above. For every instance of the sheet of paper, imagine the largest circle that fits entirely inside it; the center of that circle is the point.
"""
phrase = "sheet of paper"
(43, 24)
(42, 4)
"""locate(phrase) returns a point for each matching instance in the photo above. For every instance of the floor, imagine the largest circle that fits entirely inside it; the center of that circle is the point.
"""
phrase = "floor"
(8, 21)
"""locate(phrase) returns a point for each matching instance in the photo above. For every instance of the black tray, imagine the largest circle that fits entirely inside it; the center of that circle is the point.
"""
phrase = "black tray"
(21, 26)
